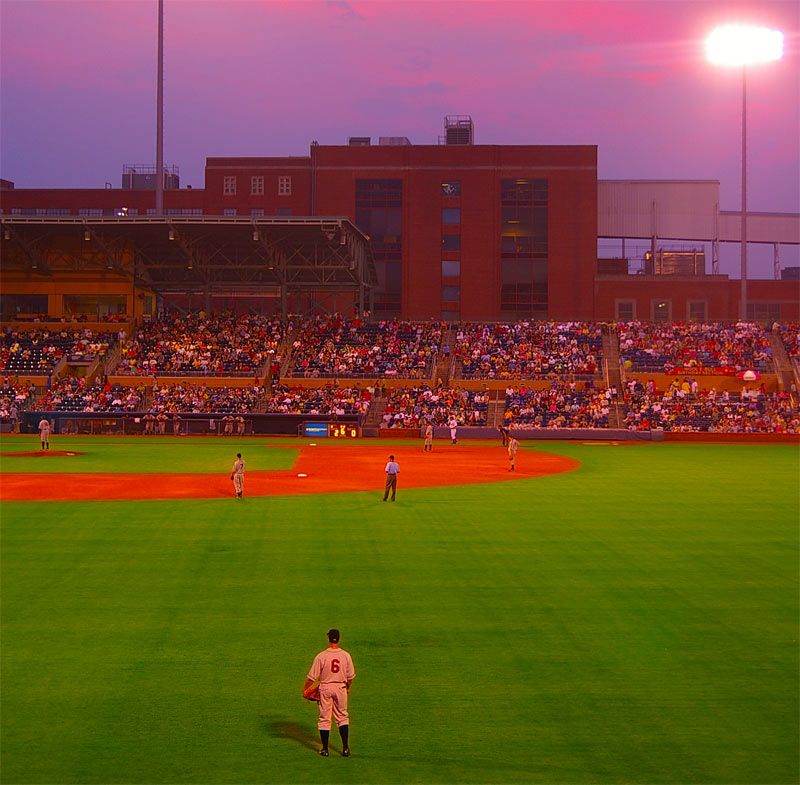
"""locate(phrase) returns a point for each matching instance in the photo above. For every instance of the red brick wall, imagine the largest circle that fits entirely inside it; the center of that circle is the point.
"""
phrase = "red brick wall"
(720, 293)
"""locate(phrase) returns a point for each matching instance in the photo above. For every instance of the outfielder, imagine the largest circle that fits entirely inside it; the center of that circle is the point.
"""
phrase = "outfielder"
(44, 433)
(334, 670)
(237, 475)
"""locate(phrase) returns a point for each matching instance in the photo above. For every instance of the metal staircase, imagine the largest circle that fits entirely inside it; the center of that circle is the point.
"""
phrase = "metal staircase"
(613, 377)
(783, 364)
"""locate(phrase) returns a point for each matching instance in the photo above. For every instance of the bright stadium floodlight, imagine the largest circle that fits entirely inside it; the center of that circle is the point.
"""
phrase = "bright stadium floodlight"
(739, 46)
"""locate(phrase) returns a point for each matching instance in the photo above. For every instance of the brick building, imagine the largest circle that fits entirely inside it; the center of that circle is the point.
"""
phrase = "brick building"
(458, 231)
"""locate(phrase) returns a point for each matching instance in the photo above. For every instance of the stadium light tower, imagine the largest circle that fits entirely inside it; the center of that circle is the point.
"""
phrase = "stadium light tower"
(739, 46)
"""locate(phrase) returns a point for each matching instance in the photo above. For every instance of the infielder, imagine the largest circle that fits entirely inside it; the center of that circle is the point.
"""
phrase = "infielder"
(392, 470)
(44, 433)
(237, 475)
(428, 439)
(335, 672)
(453, 426)
(513, 446)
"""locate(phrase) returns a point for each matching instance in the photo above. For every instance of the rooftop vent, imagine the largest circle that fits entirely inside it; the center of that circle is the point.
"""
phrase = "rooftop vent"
(458, 129)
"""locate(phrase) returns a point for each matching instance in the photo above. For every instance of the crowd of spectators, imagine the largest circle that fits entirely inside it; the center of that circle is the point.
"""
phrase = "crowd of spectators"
(329, 400)
(74, 395)
(790, 335)
(193, 344)
(179, 398)
(416, 406)
(332, 346)
(38, 351)
(13, 399)
(663, 348)
(561, 405)
(750, 411)
(529, 350)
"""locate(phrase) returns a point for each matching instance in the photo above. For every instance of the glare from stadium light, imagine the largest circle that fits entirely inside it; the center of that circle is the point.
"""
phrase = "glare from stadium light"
(740, 45)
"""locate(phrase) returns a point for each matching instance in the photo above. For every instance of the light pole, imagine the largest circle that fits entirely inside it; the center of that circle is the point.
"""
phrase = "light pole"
(739, 46)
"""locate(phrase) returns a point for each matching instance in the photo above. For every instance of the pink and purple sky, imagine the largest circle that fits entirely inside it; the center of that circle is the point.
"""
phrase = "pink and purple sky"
(255, 77)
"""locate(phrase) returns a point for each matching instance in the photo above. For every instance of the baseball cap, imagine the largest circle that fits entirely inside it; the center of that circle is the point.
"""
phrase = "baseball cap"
(333, 635)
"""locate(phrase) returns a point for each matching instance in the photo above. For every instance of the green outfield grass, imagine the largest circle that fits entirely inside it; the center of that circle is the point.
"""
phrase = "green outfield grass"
(634, 621)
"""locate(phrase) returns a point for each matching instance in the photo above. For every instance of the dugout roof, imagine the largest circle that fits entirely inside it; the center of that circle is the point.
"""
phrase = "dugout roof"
(202, 253)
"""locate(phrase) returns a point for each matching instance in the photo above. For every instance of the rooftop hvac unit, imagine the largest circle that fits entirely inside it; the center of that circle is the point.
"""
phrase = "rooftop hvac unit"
(393, 141)
(143, 178)
(458, 129)
(359, 141)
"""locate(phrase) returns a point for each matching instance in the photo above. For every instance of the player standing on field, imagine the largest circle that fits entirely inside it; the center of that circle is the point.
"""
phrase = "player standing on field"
(237, 475)
(428, 439)
(334, 670)
(44, 433)
(513, 446)
(453, 426)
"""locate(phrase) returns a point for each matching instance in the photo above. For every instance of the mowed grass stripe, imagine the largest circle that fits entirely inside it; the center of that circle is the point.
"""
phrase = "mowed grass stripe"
(633, 621)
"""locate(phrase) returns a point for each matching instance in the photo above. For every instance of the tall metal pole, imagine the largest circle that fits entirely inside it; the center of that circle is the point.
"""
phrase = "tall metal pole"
(743, 296)
(160, 115)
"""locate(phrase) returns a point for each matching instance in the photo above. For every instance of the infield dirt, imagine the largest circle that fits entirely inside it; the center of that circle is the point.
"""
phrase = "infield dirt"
(329, 469)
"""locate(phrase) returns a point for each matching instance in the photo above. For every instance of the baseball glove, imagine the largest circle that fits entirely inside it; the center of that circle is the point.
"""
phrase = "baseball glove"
(311, 693)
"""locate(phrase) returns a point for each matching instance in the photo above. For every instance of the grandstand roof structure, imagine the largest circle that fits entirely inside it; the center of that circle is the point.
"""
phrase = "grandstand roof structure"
(198, 253)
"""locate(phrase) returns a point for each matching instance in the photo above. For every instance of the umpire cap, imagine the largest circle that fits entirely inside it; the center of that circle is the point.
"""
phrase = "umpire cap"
(333, 635)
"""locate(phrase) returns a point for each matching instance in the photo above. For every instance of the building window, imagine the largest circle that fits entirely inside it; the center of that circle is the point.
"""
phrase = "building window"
(451, 316)
(229, 211)
(625, 310)
(183, 211)
(229, 186)
(45, 211)
(257, 186)
(661, 310)
(451, 215)
(451, 188)
(284, 186)
(451, 242)
(451, 268)
(696, 310)
(257, 212)
(284, 211)
(524, 246)
(379, 214)
(451, 294)
(763, 312)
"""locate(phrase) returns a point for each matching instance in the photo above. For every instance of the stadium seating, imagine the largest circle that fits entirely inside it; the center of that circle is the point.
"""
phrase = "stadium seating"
(416, 406)
(562, 405)
(663, 348)
(37, 352)
(334, 347)
(529, 350)
(193, 345)
(329, 400)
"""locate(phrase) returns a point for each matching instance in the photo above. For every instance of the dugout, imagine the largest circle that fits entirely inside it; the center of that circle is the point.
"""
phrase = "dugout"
(191, 424)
